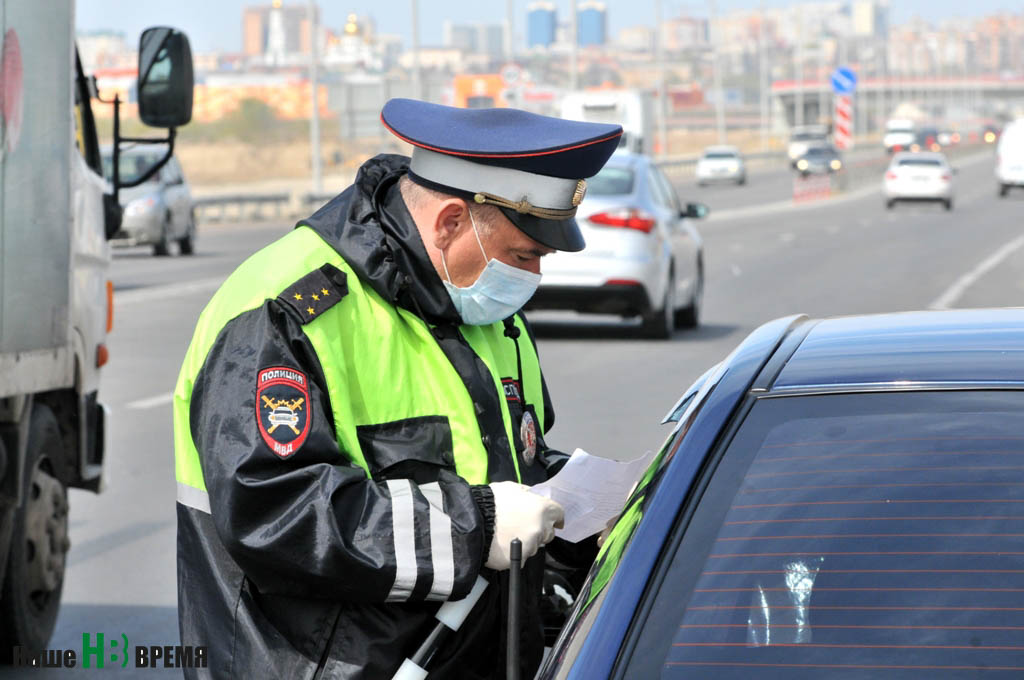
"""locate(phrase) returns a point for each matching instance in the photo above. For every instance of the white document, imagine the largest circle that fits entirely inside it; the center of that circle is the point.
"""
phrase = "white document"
(592, 490)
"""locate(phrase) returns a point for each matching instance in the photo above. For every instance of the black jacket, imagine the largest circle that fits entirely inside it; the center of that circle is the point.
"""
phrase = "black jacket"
(286, 577)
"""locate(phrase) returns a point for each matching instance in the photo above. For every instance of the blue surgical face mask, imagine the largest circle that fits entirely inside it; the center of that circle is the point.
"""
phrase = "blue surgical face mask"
(500, 291)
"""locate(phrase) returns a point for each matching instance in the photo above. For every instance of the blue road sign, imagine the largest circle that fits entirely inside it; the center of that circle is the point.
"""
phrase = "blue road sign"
(844, 80)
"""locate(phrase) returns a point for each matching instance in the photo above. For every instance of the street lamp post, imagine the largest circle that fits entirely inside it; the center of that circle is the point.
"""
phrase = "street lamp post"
(417, 82)
(716, 70)
(798, 114)
(573, 46)
(659, 56)
(762, 63)
(314, 119)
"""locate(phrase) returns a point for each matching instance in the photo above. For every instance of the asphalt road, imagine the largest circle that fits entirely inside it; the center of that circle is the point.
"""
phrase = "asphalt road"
(610, 388)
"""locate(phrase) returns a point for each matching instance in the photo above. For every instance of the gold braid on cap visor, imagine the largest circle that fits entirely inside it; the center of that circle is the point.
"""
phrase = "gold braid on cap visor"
(525, 207)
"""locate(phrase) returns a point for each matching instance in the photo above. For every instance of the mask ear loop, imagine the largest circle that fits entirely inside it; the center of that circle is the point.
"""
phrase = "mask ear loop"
(477, 234)
(445, 265)
(478, 242)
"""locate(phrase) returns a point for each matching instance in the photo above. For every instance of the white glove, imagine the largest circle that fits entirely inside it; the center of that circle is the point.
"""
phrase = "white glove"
(520, 513)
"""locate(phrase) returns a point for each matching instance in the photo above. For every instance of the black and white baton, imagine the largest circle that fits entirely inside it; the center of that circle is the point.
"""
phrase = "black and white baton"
(449, 617)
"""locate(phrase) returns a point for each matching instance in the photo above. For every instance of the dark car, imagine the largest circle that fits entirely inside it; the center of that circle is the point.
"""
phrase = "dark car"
(838, 499)
(822, 159)
(926, 139)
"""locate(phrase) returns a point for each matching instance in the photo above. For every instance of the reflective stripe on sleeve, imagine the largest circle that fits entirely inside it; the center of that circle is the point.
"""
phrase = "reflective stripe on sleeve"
(442, 548)
(194, 498)
(403, 526)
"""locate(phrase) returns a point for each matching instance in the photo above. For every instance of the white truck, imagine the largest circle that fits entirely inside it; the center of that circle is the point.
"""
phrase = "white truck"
(900, 134)
(632, 109)
(56, 215)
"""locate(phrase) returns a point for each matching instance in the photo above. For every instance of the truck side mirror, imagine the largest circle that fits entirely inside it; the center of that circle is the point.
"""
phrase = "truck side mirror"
(165, 78)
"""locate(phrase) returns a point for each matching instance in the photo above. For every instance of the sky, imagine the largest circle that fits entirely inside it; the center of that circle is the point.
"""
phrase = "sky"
(216, 25)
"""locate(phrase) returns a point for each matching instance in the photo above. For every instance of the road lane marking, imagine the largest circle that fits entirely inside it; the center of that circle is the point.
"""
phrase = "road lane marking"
(960, 286)
(786, 237)
(151, 402)
(832, 229)
(736, 271)
(172, 290)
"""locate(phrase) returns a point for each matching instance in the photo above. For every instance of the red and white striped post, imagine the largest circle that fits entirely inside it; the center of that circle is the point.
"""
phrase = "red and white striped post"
(843, 132)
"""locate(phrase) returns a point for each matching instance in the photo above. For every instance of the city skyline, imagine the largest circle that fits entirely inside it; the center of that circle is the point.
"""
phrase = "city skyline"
(218, 26)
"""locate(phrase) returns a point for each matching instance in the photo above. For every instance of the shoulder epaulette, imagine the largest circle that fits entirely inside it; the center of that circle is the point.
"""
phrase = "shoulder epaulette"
(316, 292)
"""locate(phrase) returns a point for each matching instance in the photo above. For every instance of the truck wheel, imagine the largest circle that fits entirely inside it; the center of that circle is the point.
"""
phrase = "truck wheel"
(35, 570)
(1003, 190)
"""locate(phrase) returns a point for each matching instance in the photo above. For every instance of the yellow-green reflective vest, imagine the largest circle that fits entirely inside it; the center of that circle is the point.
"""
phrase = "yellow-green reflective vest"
(381, 362)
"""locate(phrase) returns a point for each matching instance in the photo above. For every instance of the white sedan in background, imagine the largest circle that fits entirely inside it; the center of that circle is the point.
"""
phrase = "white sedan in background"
(919, 177)
(644, 257)
(721, 163)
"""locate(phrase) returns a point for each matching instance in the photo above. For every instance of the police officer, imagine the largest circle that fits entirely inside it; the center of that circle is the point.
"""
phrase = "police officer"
(361, 410)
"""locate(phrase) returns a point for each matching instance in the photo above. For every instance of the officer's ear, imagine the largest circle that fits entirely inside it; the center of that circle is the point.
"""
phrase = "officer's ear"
(452, 218)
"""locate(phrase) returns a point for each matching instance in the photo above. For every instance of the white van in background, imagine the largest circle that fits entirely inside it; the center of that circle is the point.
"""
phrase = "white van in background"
(1010, 157)
(632, 109)
(900, 134)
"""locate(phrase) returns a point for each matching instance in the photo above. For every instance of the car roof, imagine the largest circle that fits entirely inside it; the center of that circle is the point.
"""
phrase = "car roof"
(722, 148)
(925, 155)
(909, 349)
(623, 158)
(134, 149)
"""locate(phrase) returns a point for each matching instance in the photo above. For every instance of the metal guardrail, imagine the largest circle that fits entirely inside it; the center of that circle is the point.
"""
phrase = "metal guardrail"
(256, 206)
(242, 206)
(680, 166)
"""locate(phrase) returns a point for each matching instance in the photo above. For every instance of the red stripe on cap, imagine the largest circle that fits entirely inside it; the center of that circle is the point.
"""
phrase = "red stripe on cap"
(493, 155)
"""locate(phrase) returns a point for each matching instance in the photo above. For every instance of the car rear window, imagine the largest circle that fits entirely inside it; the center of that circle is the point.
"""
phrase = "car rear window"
(848, 536)
(611, 181)
(132, 165)
(920, 162)
(720, 155)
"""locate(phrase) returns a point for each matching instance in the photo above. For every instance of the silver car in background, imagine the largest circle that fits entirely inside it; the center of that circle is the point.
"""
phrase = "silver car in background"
(643, 256)
(159, 211)
(721, 163)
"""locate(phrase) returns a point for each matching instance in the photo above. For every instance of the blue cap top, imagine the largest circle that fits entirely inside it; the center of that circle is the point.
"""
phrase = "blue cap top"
(505, 137)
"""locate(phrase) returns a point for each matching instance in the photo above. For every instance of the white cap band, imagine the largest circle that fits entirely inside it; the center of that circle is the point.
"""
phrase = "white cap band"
(515, 185)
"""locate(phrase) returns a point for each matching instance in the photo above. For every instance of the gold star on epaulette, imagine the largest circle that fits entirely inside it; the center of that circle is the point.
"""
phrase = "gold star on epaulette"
(315, 293)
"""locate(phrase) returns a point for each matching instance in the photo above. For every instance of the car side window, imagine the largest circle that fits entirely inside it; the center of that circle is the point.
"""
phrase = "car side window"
(849, 532)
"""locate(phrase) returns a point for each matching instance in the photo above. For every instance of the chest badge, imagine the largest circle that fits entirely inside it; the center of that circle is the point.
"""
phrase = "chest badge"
(528, 435)
(282, 409)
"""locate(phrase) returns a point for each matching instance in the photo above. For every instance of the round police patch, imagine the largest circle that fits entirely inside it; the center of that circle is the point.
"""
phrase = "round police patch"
(528, 435)
(282, 409)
